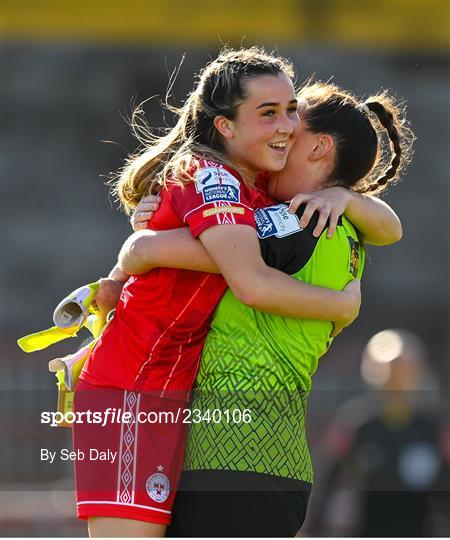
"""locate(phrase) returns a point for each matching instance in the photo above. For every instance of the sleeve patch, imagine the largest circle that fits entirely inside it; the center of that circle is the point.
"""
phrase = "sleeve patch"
(216, 184)
(354, 257)
(276, 221)
(223, 210)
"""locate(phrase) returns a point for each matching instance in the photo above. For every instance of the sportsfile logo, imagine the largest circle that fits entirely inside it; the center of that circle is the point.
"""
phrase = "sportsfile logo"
(111, 415)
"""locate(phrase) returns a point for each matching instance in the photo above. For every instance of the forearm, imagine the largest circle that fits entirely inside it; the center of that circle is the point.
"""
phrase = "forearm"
(145, 250)
(277, 293)
(110, 289)
(235, 248)
(117, 274)
(374, 219)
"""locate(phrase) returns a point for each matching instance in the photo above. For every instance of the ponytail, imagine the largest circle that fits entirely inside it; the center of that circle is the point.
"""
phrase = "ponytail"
(386, 119)
(364, 163)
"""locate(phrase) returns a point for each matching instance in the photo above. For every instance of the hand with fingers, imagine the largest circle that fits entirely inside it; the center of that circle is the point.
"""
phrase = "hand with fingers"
(108, 294)
(144, 211)
(331, 203)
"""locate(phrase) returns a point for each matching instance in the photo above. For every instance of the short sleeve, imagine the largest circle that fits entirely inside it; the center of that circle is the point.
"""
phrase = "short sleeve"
(284, 244)
(215, 197)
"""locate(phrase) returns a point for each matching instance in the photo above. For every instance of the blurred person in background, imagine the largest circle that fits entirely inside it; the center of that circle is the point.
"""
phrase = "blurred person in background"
(387, 452)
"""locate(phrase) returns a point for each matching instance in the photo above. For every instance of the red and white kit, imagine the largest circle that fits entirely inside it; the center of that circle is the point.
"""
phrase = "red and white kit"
(153, 345)
(128, 469)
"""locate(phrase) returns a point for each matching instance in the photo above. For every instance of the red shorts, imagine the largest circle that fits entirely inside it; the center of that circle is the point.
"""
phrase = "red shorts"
(130, 466)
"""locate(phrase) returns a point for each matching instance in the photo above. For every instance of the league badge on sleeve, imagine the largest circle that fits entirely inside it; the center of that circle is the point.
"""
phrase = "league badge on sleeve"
(276, 221)
(216, 184)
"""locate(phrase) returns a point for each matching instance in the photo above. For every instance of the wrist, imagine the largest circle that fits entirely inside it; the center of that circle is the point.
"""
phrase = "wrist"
(348, 306)
(118, 275)
(353, 199)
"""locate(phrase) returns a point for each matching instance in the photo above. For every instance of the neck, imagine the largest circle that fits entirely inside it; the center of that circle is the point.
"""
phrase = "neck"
(310, 182)
(285, 184)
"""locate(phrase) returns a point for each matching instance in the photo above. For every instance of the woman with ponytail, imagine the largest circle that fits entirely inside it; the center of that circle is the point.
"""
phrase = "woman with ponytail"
(239, 121)
(253, 478)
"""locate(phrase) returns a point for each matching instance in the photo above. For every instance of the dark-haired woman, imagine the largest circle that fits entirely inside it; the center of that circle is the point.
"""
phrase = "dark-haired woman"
(251, 475)
(239, 120)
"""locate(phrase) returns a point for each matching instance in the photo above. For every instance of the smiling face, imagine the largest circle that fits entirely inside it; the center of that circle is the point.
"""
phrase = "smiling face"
(309, 165)
(292, 179)
(262, 134)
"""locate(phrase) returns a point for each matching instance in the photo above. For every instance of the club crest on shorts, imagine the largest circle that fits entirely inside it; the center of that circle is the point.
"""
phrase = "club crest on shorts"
(158, 486)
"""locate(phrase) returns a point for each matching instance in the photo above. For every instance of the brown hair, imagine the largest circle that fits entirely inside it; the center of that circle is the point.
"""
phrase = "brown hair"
(219, 91)
(363, 160)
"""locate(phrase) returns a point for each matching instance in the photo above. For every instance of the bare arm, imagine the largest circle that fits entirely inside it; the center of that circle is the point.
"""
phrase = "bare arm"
(117, 274)
(176, 248)
(235, 249)
(374, 219)
(110, 289)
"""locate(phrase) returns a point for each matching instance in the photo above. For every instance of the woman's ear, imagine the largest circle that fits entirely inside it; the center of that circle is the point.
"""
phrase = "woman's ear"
(224, 126)
(324, 144)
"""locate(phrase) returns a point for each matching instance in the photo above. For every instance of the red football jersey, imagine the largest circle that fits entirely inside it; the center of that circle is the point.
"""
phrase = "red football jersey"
(154, 342)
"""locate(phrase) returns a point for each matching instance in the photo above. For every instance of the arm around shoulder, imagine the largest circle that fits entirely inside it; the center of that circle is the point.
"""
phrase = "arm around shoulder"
(175, 248)
(235, 249)
(375, 220)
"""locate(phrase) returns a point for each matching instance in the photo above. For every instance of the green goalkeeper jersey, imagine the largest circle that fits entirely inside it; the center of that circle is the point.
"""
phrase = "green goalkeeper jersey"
(251, 394)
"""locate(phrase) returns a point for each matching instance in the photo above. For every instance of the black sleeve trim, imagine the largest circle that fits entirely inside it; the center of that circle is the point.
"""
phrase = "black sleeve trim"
(291, 253)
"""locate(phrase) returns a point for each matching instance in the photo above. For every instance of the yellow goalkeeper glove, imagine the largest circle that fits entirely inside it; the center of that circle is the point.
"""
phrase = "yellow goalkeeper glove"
(78, 309)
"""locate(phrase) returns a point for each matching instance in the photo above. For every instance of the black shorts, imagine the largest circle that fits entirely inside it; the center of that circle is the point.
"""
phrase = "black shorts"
(238, 504)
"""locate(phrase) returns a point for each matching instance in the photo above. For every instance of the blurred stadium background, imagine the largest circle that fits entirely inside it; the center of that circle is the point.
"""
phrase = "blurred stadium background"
(71, 70)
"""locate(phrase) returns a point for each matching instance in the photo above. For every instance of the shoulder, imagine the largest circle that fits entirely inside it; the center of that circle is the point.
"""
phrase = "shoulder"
(212, 195)
(213, 182)
(285, 245)
(198, 165)
(207, 173)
